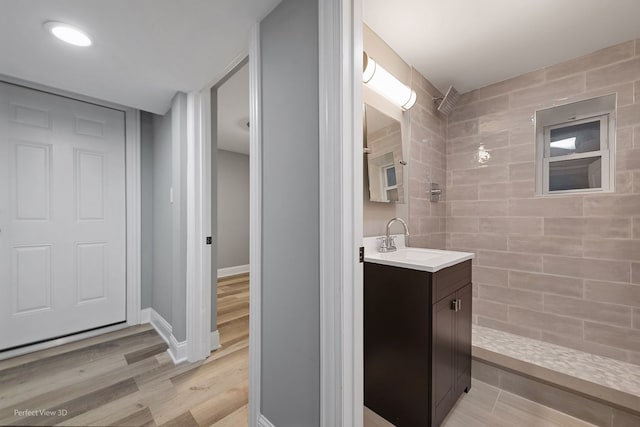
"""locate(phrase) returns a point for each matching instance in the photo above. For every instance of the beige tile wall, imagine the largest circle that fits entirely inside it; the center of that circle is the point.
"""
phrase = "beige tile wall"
(376, 214)
(560, 269)
(427, 163)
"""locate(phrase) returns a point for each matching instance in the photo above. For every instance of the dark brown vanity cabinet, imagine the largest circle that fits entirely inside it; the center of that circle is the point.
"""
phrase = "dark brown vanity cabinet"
(417, 342)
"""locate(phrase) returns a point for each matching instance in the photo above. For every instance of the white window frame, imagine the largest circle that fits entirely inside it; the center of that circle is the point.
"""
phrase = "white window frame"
(385, 187)
(606, 153)
(385, 178)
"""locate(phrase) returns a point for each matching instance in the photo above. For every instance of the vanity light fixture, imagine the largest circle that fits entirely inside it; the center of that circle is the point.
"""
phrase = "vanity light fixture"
(68, 33)
(383, 82)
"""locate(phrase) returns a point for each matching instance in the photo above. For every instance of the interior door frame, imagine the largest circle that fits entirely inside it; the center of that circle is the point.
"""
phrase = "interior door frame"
(133, 206)
(198, 301)
(200, 339)
(255, 227)
(341, 213)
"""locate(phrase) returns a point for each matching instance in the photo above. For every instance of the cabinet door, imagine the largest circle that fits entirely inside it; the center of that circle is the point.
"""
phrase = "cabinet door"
(464, 297)
(397, 325)
(443, 368)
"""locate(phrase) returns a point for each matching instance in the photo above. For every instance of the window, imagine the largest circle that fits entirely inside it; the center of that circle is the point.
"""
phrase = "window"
(390, 184)
(390, 174)
(575, 147)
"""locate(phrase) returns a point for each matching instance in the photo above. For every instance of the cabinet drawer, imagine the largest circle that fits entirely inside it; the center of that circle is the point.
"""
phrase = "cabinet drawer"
(450, 279)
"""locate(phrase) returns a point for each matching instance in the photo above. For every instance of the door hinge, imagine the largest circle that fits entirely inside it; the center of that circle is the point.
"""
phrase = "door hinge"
(209, 240)
(361, 254)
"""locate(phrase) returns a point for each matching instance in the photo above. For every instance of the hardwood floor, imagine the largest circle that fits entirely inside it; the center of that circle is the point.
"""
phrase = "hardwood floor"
(126, 378)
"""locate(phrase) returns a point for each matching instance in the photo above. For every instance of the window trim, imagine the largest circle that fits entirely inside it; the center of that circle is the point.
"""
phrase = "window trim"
(607, 148)
(385, 184)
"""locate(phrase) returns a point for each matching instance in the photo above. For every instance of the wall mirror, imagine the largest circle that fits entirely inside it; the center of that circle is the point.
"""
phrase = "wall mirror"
(384, 157)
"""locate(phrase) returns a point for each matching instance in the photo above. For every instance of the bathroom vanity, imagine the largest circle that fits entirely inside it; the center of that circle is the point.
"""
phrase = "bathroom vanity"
(417, 333)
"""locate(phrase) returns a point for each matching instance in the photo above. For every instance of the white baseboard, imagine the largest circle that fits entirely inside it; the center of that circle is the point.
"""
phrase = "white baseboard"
(232, 271)
(215, 340)
(145, 316)
(177, 349)
(163, 327)
(264, 422)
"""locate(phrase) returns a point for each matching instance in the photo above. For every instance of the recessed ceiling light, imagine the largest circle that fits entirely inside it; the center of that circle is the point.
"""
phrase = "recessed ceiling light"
(68, 33)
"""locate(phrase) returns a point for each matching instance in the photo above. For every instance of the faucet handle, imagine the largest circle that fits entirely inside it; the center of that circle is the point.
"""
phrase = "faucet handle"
(391, 243)
(387, 244)
(384, 244)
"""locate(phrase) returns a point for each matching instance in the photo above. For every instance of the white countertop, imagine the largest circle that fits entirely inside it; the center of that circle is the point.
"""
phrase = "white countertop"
(423, 259)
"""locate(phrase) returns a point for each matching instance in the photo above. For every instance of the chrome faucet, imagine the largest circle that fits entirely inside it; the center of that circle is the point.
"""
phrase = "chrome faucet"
(388, 242)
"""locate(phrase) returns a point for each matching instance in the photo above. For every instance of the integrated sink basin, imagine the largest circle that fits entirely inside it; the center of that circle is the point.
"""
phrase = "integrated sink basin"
(430, 260)
(411, 255)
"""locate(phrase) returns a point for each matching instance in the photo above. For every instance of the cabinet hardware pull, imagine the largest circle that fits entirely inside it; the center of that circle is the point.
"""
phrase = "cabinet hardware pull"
(454, 305)
(459, 305)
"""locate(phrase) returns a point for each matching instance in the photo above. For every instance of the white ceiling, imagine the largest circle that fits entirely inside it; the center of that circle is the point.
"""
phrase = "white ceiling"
(233, 112)
(471, 43)
(144, 50)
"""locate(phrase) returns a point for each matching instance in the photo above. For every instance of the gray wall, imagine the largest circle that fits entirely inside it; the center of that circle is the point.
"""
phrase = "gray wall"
(233, 209)
(162, 217)
(164, 223)
(146, 208)
(290, 248)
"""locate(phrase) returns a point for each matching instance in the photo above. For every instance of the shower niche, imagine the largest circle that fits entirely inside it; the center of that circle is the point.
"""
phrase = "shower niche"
(385, 165)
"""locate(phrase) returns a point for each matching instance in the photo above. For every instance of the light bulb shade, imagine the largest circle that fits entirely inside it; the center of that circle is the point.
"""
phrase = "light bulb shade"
(369, 66)
(383, 82)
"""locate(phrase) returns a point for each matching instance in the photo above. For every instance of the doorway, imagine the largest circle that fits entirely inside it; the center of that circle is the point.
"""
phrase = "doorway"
(63, 217)
(230, 208)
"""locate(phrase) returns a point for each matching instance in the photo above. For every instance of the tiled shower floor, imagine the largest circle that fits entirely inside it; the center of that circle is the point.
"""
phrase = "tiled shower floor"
(608, 372)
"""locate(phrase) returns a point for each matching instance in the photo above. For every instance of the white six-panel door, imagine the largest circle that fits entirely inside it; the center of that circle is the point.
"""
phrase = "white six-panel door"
(62, 216)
